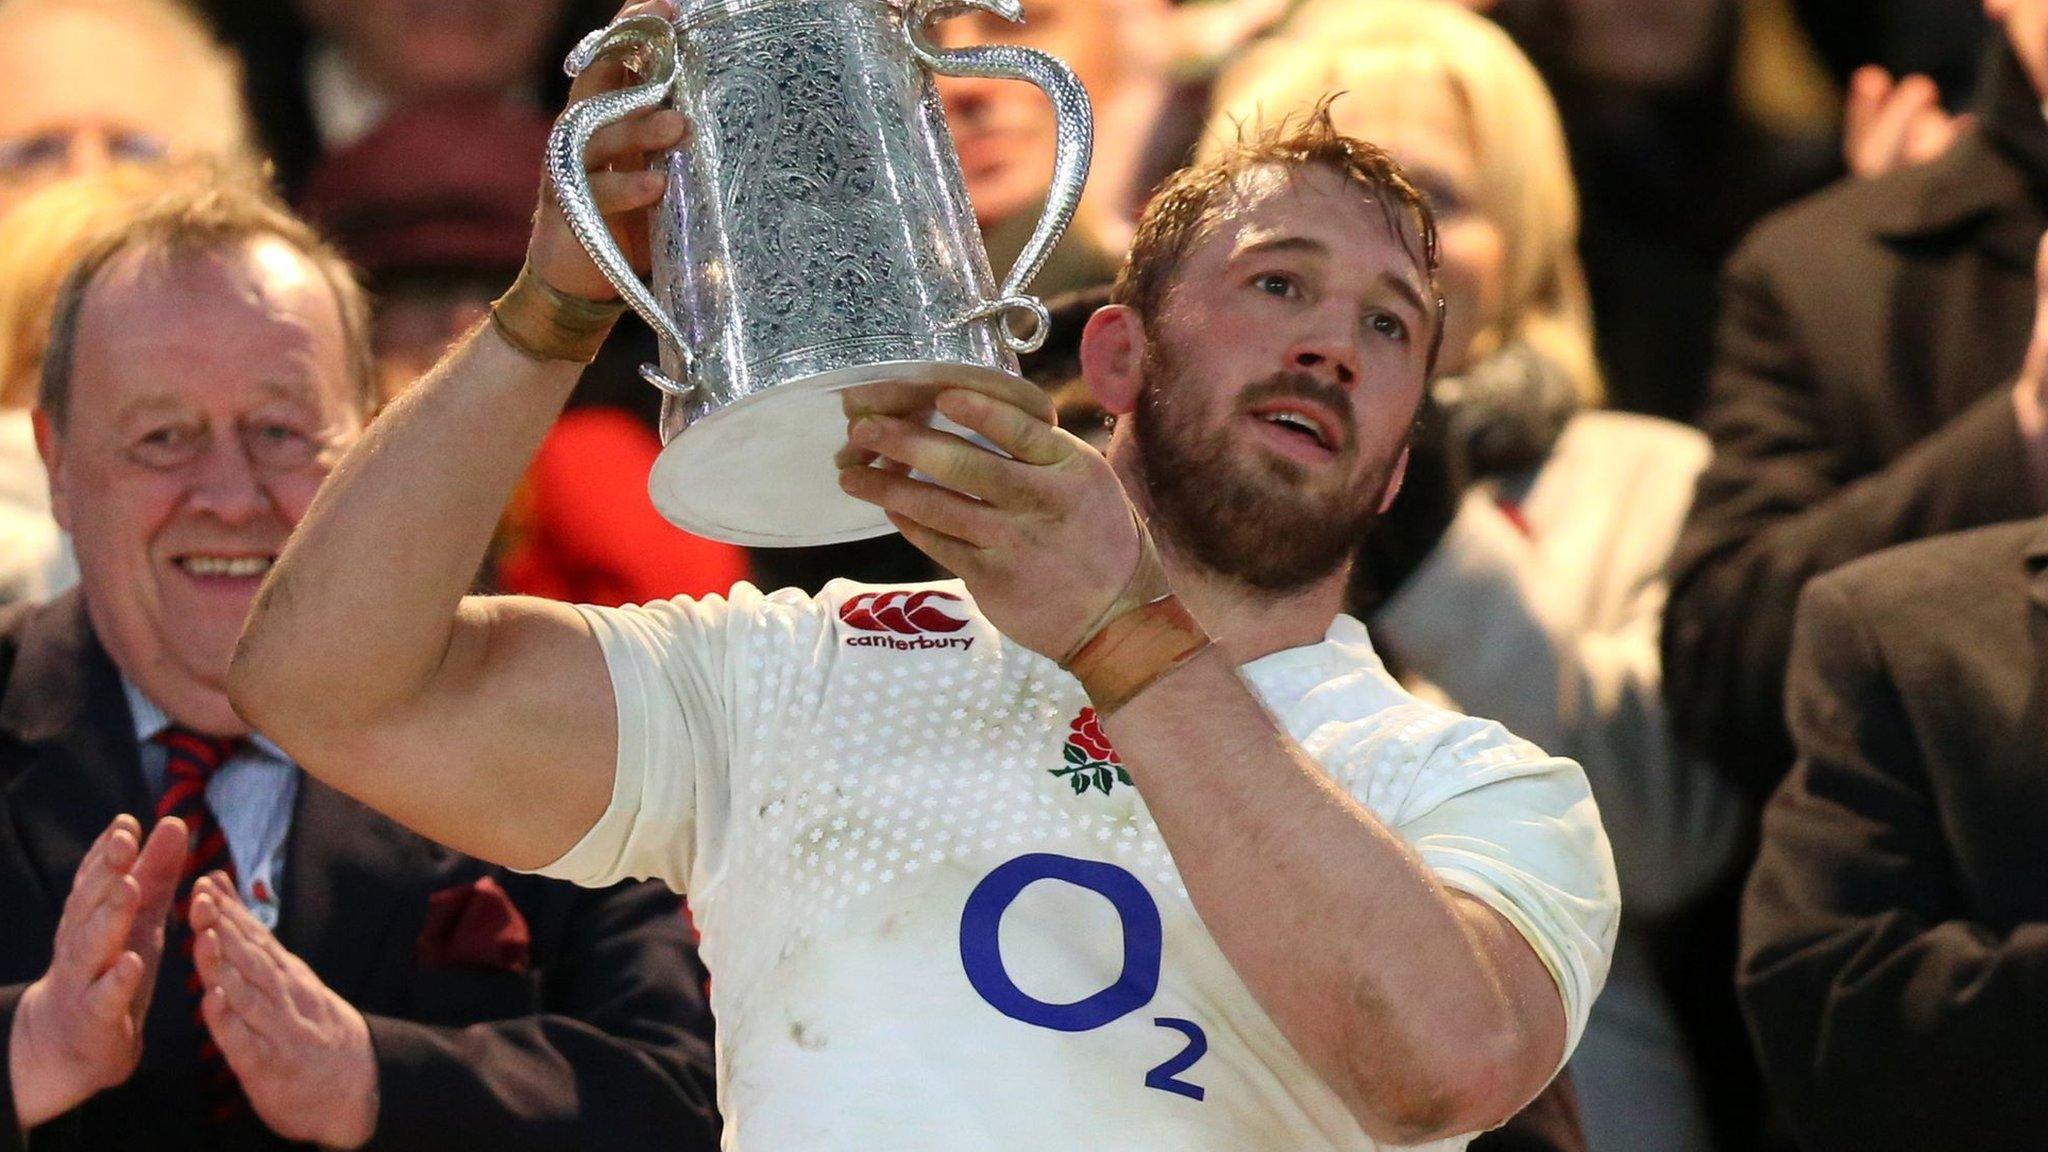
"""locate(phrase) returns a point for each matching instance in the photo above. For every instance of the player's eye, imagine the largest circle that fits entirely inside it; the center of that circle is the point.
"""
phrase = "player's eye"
(1277, 284)
(1390, 326)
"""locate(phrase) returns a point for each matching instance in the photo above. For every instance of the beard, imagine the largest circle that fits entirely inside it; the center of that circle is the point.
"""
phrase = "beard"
(1262, 519)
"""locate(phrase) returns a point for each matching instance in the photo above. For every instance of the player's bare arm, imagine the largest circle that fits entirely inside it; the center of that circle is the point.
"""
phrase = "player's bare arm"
(365, 657)
(1422, 1008)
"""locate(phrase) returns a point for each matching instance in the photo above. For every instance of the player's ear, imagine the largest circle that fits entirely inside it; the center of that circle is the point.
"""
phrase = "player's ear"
(1113, 358)
(1394, 479)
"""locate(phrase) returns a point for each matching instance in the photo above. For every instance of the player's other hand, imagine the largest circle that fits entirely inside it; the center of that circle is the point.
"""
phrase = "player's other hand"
(301, 1052)
(1044, 539)
(626, 178)
(78, 1029)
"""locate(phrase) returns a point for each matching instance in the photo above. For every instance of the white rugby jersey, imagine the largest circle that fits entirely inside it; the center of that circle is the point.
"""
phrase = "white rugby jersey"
(937, 914)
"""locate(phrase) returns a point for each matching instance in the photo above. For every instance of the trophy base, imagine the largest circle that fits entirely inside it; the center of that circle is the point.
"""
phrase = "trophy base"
(763, 472)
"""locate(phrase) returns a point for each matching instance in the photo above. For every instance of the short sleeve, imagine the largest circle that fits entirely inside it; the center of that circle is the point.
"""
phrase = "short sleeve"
(672, 665)
(1494, 817)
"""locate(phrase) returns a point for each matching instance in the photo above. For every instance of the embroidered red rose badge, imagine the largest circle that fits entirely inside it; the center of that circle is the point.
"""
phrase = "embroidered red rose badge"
(1090, 761)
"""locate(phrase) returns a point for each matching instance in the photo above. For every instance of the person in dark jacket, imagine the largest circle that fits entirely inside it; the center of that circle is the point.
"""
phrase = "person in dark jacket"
(205, 948)
(1894, 967)
(1864, 396)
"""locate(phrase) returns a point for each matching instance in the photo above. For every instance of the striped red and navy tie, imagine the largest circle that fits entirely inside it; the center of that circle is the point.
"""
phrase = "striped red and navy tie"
(193, 760)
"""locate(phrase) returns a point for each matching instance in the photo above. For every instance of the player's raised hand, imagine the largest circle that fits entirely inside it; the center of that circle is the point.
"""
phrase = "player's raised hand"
(301, 1053)
(78, 1029)
(1045, 539)
(623, 185)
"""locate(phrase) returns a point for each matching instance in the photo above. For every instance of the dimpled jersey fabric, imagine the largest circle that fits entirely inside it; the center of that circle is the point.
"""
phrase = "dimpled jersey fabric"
(938, 915)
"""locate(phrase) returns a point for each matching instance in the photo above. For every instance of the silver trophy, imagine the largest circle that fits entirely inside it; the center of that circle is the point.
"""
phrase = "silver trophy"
(815, 256)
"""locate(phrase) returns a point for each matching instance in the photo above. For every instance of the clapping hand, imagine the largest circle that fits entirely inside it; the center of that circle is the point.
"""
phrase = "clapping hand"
(2030, 391)
(1890, 124)
(301, 1052)
(78, 1029)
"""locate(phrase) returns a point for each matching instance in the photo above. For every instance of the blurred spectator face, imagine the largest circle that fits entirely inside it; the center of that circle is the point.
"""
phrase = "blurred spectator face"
(90, 85)
(1410, 108)
(210, 395)
(410, 48)
(1004, 129)
(2026, 27)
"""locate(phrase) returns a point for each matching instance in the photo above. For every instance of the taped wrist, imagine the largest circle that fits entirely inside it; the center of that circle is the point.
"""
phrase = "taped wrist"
(544, 324)
(1137, 650)
(1141, 636)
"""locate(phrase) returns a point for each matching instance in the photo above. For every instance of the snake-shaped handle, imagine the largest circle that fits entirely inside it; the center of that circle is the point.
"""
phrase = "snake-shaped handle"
(1076, 125)
(655, 40)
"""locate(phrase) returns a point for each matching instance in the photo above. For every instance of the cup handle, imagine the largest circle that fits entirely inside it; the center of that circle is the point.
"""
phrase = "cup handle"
(1075, 143)
(655, 39)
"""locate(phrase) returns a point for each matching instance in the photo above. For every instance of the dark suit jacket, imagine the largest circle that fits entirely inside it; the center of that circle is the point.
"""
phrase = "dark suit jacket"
(1895, 933)
(600, 1043)
(1861, 399)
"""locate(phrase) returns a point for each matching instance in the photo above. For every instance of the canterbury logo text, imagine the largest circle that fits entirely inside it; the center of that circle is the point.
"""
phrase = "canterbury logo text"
(907, 621)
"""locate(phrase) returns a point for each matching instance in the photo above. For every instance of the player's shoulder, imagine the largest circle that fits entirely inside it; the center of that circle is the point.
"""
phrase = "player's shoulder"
(743, 617)
(934, 620)
(1394, 751)
(845, 620)
(742, 602)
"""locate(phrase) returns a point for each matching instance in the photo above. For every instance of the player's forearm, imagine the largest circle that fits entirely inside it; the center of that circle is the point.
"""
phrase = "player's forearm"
(1346, 939)
(362, 605)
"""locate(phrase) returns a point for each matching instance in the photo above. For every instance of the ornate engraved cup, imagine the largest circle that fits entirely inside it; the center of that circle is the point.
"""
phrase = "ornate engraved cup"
(815, 255)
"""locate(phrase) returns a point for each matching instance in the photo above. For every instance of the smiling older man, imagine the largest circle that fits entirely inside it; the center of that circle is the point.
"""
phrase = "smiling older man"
(203, 948)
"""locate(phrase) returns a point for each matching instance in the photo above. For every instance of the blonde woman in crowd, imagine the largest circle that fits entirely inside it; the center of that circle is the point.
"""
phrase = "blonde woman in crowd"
(1540, 524)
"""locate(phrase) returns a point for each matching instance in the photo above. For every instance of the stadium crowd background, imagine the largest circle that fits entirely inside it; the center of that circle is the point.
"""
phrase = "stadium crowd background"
(1743, 292)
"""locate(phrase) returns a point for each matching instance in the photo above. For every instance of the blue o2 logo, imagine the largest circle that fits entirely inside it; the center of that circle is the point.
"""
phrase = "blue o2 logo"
(981, 950)
(981, 954)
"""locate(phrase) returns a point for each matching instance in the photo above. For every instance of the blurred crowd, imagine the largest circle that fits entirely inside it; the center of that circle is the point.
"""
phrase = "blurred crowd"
(1728, 486)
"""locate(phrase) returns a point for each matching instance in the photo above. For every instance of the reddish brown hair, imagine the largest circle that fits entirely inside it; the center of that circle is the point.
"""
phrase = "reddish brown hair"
(1190, 200)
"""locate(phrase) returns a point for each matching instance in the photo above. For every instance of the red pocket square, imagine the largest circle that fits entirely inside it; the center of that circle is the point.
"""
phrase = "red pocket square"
(475, 925)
